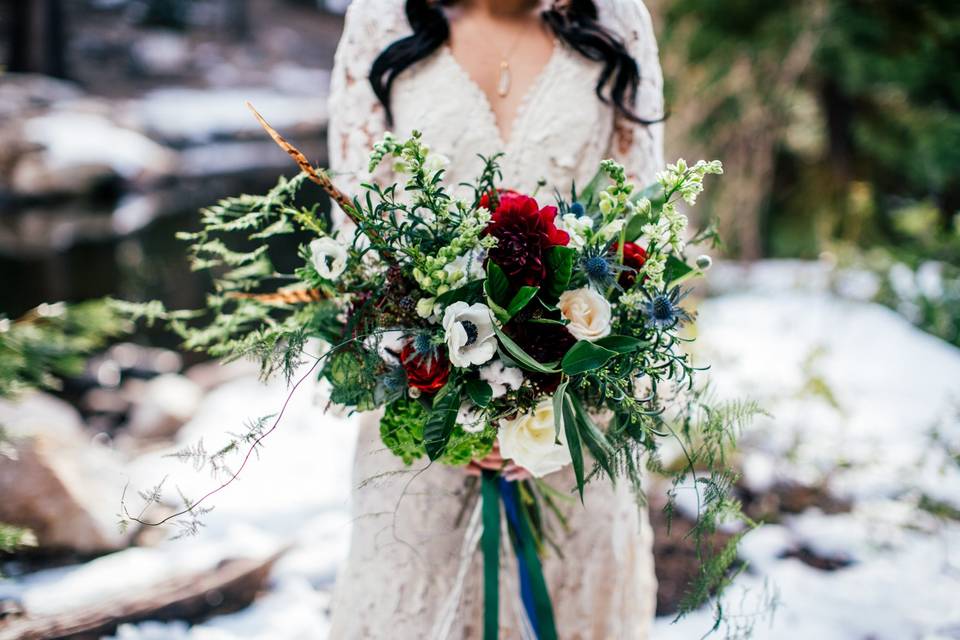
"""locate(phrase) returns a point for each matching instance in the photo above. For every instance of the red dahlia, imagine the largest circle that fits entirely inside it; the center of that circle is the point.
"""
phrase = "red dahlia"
(426, 373)
(525, 232)
(633, 256)
(485, 198)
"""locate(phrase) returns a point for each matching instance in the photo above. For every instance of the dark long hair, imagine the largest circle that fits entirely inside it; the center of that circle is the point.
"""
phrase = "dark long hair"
(575, 23)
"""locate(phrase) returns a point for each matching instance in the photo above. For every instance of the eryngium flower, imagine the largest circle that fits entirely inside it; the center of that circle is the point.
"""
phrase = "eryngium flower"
(662, 308)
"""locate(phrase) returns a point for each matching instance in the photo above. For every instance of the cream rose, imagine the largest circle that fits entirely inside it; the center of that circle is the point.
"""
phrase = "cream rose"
(588, 313)
(530, 441)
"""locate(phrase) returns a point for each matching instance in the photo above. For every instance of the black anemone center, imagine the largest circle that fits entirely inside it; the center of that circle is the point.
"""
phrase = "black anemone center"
(472, 331)
(662, 308)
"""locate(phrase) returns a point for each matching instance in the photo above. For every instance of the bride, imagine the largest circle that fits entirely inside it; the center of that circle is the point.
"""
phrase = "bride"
(556, 88)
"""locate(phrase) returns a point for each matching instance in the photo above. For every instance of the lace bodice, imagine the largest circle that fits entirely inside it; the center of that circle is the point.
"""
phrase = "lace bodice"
(408, 546)
(559, 134)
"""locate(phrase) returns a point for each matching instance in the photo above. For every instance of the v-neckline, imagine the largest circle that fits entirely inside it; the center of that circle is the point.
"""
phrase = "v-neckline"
(525, 100)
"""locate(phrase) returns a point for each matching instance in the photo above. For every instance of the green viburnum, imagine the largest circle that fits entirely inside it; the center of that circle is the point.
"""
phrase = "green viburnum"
(401, 429)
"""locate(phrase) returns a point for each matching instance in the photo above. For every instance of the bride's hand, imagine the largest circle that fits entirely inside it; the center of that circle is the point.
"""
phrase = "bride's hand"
(495, 462)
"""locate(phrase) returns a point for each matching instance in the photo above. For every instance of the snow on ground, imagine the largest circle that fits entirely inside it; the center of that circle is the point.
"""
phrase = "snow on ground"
(854, 392)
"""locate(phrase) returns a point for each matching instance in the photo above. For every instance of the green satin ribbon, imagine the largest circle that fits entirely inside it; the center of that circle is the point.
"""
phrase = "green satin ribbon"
(490, 543)
(526, 550)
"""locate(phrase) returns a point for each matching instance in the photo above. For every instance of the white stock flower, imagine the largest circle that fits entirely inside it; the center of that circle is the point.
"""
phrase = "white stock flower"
(576, 227)
(530, 441)
(612, 229)
(588, 313)
(329, 257)
(501, 377)
(434, 163)
(469, 331)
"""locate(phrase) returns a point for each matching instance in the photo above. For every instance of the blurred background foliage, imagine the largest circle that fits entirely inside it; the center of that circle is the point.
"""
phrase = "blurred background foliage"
(841, 119)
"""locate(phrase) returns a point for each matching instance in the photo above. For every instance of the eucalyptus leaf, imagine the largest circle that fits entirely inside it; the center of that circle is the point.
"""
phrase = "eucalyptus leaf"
(521, 299)
(573, 442)
(560, 267)
(441, 420)
(558, 408)
(622, 344)
(675, 269)
(521, 357)
(468, 292)
(497, 284)
(585, 356)
(479, 391)
(594, 438)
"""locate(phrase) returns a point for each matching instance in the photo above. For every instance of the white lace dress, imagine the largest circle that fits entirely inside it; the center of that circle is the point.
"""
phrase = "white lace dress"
(406, 548)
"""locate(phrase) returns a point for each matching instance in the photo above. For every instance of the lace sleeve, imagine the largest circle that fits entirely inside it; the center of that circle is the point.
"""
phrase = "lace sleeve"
(356, 117)
(639, 147)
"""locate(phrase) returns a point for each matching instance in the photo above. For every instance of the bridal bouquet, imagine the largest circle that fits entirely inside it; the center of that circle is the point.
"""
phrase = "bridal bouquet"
(475, 315)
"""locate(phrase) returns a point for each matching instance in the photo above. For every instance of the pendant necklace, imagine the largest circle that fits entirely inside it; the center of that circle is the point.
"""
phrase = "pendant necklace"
(503, 81)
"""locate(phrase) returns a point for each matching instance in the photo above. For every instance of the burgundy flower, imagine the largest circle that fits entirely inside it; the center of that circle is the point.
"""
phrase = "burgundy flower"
(546, 343)
(525, 232)
(634, 256)
(426, 373)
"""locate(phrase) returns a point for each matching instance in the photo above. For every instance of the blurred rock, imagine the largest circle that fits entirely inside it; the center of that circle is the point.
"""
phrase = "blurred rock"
(183, 116)
(160, 53)
(25, 93)
(77, 151)
(60, 486)
(210, 375)
(164, 405)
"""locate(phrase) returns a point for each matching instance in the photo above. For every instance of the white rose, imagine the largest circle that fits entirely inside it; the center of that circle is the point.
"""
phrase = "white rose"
(501, 377)
(530, 441)
(329, 257)
(469, 331)
(588, 313)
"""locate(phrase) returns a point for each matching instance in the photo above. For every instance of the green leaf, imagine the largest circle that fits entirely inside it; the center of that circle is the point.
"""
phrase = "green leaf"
(561, 323)
(521, 299)
(560, 267)
(467, 293)
(585, 356)
(479, 391)
(521, 357)
(497, 285)
(594, 438)
(675, 269)
(573, 442)
(558, 408)
(499, 312)
(442, 419)
(622, 344)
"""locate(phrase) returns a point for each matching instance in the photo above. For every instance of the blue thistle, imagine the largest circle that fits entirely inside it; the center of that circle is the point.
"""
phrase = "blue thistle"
(662, 308)
(395, 380)
(423, 344)
(577, 209)
(601, 266)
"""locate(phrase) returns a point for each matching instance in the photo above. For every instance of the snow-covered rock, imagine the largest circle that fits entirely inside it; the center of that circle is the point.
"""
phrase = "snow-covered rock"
(59, 484)
(77, 150)
(191, 116)
(164, 404)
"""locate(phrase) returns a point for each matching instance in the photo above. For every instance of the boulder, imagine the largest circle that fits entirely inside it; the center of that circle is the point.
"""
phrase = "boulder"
(76, 150)
(162, 406)
(58, 484)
